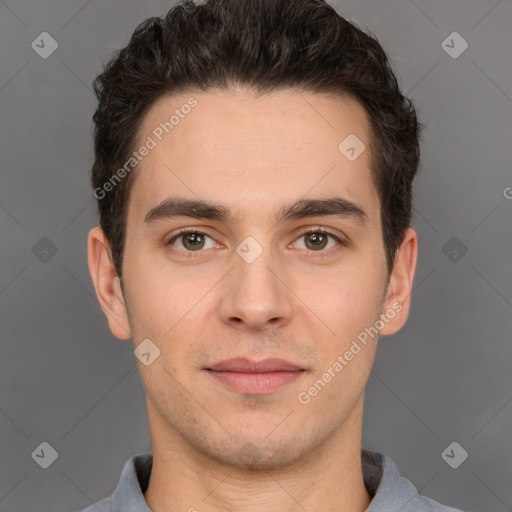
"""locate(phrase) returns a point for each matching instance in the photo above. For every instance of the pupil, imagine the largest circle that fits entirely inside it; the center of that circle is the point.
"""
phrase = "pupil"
(194, 239)
(316, 237)
(194, 236)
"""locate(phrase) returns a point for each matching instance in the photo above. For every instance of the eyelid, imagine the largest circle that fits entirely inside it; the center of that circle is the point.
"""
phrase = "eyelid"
(323, 253)
(185, 231)
(318, 229)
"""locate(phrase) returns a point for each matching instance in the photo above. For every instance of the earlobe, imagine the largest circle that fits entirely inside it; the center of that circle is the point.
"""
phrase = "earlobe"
(397, 303)
(106, 283)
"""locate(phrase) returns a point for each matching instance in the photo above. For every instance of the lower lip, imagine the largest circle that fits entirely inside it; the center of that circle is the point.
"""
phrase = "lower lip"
(256, 383)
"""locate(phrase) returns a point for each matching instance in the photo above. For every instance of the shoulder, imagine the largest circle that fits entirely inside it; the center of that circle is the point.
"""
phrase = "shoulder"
(105, 505)
(423, 504)
(128, 496)
(390, 490)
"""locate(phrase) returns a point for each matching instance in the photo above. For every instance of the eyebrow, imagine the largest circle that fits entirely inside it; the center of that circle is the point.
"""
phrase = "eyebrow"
(181, 207)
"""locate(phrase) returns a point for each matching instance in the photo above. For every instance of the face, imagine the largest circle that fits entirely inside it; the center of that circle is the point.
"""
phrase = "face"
(284, 259)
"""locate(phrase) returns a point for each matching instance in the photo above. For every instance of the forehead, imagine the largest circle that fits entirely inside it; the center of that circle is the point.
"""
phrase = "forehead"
(250, 152)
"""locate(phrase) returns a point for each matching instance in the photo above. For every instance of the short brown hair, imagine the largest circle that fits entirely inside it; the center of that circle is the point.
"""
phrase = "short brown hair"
(267, 45)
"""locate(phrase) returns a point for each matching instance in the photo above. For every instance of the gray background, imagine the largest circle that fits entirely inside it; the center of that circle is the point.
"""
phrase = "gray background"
(444, 377)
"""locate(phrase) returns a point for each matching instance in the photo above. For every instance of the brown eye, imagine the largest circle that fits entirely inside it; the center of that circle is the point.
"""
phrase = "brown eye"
(316, 240)
(191, 240)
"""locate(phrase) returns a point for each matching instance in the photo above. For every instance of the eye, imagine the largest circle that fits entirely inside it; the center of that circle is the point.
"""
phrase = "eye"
(188, 241)
(317, 240)
(192, 240)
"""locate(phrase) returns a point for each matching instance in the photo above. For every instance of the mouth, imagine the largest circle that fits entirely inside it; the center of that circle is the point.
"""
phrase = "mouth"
(255, 377)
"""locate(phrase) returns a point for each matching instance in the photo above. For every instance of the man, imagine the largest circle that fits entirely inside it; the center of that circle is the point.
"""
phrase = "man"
(253, 172)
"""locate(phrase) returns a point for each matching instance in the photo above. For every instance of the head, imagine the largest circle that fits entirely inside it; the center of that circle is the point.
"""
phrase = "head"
(274, 117)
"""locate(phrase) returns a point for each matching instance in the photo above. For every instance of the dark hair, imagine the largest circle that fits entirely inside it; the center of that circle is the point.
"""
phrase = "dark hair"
(265, 45)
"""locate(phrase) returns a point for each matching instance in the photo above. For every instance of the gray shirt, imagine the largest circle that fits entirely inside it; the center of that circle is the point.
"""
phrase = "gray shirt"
(390, 492)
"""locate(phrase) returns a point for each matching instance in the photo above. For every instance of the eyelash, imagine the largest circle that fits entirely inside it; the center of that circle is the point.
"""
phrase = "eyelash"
(190, 254)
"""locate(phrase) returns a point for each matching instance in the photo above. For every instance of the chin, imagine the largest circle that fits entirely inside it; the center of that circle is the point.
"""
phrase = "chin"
(258, 452)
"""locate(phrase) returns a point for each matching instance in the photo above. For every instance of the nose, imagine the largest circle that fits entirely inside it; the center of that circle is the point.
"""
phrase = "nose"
(256, 295)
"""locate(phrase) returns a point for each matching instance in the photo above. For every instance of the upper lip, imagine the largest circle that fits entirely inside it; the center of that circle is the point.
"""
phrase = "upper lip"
(243, 365)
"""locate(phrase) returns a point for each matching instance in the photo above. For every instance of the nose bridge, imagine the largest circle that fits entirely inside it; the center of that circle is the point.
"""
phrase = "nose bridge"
(255, 293)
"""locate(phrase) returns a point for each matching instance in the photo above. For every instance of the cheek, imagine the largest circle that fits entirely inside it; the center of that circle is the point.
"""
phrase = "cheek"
(155, 303)
(349, 301)
(350, 308)
(169, 308)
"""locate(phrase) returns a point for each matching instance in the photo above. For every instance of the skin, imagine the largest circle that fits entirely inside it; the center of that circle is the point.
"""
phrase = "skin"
(254, 155)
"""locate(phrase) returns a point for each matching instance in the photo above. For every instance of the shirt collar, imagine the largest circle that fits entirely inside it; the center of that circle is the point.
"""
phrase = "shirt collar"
(389, 491)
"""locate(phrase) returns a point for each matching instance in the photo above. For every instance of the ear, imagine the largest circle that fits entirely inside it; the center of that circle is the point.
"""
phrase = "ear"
(107, 284)
(398, 298)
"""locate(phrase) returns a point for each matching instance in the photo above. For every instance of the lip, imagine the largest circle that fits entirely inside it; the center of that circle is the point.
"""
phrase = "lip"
(255, 377)
(244, 365)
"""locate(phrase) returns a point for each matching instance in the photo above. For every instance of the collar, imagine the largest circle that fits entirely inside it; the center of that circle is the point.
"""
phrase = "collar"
(389, 490)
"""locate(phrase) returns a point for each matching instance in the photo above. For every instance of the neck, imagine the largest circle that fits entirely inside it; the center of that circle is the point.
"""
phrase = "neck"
(328, 478)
